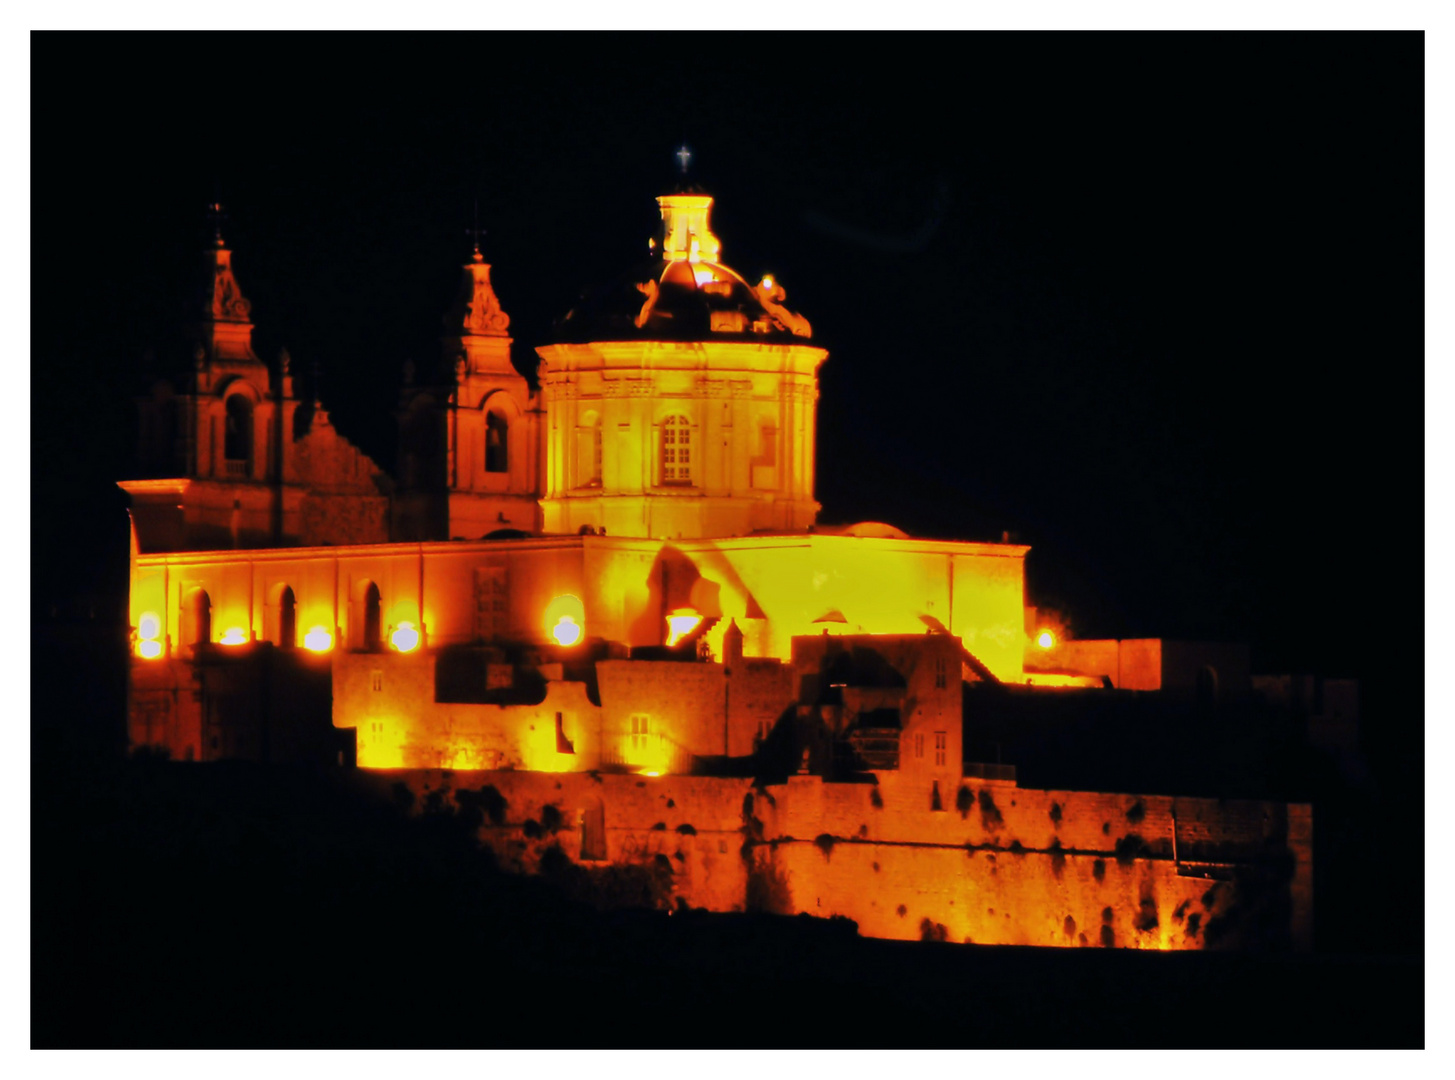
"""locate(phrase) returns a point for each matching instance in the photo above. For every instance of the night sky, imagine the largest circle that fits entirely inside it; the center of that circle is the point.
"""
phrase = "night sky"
(1151, 303)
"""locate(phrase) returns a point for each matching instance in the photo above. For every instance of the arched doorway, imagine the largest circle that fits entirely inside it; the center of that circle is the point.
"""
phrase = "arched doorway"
(196, 620)
(368, 622)
(287, 619)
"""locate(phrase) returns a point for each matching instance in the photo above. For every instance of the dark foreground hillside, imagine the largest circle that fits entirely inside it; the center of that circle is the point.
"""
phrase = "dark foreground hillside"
(237, 906)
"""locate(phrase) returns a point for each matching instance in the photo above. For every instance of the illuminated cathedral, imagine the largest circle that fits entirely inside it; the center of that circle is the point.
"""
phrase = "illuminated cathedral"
(610, 575)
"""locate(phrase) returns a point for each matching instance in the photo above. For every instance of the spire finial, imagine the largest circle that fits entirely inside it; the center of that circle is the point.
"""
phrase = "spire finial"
(475, 232)
(217, 215)
(684, 157)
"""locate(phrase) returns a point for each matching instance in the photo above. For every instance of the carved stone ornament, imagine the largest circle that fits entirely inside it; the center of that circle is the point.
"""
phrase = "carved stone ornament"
(477, 310)
(228, 302)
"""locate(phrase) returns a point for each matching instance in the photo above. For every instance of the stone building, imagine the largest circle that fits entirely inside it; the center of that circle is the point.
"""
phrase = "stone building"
(613, 568)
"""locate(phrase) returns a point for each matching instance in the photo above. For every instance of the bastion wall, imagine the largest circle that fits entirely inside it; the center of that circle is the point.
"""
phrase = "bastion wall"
(997, 865)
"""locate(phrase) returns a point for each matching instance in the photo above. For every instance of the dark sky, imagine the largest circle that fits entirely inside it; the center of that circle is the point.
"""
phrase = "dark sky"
(1152, 303)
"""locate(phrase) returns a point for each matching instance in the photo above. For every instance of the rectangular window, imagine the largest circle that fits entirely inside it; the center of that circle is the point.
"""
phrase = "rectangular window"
(676, 451)
(640, 731)
(940, 673)
(940, 747)
(376, 681)
(919, 746)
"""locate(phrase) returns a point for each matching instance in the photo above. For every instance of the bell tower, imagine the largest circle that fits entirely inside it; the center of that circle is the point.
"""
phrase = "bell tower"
(469, 440)
(214, 442)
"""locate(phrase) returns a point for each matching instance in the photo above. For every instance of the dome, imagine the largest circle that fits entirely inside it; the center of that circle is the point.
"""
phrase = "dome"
(686, 295)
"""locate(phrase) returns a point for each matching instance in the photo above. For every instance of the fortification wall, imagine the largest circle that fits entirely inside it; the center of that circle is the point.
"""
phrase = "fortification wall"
(999, 865)
(1007, 865)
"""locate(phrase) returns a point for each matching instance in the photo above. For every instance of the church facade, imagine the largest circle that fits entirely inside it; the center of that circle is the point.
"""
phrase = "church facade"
(611, 568)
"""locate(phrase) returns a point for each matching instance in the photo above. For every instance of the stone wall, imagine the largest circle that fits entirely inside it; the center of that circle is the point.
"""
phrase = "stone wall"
(999, 865)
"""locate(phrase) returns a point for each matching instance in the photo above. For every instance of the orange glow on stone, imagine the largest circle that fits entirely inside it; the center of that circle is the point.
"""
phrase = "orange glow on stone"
(233, 635)
(681, 623)
(318, 640)
(567, 631)
(405, 637)
(563, 615)
(149, 650)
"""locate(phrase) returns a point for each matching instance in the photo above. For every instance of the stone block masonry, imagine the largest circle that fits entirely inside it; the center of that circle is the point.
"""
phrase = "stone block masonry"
(997, 865)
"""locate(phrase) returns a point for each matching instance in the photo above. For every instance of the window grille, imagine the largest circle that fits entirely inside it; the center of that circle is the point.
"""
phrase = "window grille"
(676, 451)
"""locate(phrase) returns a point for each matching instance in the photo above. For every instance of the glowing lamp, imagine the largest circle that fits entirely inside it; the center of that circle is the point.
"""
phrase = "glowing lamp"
(318, 640)
(566, 619)
(149, 650)
(233, 635)
(767, 285)
(681, 623)
(567, 631)
(149, 626)
(405, 637)
(1045, 639)
(650, 772)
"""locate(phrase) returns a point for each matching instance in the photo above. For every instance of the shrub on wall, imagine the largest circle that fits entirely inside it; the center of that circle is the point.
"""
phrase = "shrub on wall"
(964, 800)
(1128, 848)
(932, 931)
(990, 818)
(487, 800)
(767, 891)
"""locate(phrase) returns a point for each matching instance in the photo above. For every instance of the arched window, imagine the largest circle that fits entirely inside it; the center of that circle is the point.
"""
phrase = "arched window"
(676, 451)
(237, 439)
(287, 619)
(496, 443)
(196, 619)
(373, 636)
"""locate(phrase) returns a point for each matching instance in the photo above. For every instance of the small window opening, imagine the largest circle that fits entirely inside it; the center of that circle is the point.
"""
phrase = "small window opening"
(237, 437)
(496, 443)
